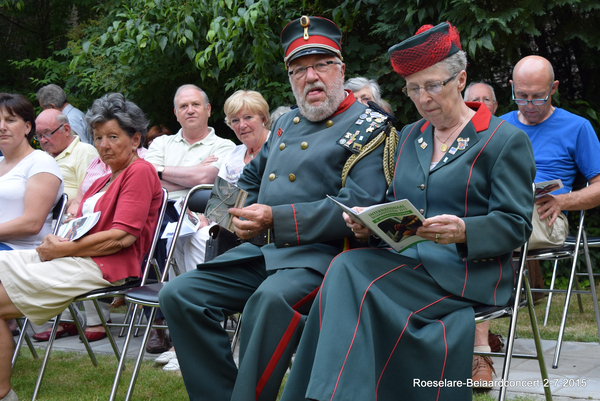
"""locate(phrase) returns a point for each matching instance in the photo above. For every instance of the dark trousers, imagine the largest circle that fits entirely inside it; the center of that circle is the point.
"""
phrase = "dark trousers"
(273, 305)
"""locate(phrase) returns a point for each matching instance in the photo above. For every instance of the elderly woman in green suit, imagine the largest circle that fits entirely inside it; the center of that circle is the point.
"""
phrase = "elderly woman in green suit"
(400, 326)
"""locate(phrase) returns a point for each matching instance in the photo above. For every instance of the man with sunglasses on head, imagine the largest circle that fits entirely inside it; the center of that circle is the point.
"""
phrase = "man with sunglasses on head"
(292, 230)
(56, 138)
(563, 144)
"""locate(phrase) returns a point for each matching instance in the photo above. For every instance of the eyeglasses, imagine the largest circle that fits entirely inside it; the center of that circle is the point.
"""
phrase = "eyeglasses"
(432, 88)
(47, 135)
(321, 66)
(524, 102)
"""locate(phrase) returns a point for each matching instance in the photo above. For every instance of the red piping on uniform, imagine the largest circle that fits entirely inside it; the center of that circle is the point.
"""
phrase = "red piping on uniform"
(445, 357)
(306, 299)
(466, 275)
(283, 343)
(296, 224)
(358, 323)
(325, 277)
(392, 353)
(498, 283)
(417, 266)
(475, 161)
(401, 334)
(399, 153)
(433, 303)
(467, 193)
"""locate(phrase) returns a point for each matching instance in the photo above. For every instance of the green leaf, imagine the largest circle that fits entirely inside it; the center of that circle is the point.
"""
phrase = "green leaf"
(86, 46)
(162, 42)
(189, 34)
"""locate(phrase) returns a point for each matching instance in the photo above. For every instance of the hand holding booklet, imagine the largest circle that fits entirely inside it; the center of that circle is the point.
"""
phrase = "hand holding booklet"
(224, 196)
(77, 228)
(396, 222)
(543, 188)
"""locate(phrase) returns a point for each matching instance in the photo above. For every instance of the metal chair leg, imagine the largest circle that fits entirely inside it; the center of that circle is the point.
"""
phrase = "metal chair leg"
(111, 339)
(549, 302)
(590, 272)
(563, 321)
(82, 335)
(126, 319)
(121, 365)
(537, 340)
(18, 344)
(138, 362)
(38, 382)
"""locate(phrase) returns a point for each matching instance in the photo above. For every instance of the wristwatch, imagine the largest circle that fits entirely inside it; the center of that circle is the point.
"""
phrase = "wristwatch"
(159, 170)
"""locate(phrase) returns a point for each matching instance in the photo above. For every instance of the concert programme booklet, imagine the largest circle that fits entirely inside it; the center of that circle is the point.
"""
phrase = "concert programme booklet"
(77, 228)
(224, 195)
(395, 223)
(545, 187)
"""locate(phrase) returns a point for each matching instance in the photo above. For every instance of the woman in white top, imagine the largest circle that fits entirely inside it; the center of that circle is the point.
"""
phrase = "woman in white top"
(30, 180)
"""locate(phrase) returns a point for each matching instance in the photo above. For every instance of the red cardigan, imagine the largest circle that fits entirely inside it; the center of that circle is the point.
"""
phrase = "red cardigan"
(131, 203)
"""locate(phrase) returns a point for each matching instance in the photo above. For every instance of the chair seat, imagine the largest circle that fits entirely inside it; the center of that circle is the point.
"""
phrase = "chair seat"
(111, 291)
(145, 295)
(488, 312)
(561, 252)
(593, 241)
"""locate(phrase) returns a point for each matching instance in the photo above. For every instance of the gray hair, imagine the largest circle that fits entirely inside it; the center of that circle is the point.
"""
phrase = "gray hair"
(190, 86)
(114, 106)
(51, 95)
(466, 96)
(356, 84)
(455, 63)
(278, 112)
(62, 119)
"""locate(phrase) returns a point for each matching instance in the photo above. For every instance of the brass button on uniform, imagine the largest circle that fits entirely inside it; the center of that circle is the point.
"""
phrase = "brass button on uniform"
(329, 124)
(296, 120)
(282, 146)
(292, 177)
(422, 211)
(271, 176)
(286, 244)
(422, 186)
(304, 145)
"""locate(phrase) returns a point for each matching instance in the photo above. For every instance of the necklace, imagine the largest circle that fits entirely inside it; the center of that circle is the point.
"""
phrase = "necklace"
(444, 147)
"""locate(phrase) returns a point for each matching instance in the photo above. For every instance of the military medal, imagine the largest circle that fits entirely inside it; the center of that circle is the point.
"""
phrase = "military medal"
(462, 143)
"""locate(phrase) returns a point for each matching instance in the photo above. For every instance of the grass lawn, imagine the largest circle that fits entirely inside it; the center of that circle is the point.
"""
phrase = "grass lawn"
(71, 376)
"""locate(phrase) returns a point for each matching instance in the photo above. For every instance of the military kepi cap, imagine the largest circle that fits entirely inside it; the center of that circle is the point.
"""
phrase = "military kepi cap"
(310, 35)
(430, 45)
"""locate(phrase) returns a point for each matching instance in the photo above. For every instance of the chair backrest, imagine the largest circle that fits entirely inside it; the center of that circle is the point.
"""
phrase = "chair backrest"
(157, 230)
(58, 211)
(195, 200)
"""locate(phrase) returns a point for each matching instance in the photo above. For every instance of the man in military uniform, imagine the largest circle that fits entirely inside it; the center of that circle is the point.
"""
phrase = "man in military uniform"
(293, 231)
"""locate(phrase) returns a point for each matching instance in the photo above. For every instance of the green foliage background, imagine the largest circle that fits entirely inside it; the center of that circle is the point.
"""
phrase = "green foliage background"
(145, 49)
